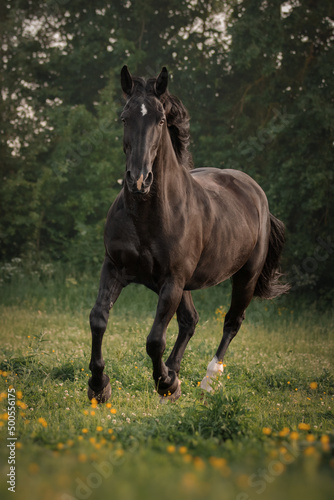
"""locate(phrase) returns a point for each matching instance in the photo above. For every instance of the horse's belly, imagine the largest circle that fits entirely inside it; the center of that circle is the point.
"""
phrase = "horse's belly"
(213, 274)
(221, 259)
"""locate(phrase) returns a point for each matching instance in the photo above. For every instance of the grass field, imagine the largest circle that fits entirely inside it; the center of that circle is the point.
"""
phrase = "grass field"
(265, 433)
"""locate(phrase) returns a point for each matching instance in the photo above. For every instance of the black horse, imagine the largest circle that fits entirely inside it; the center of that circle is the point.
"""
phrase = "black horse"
(174, 229)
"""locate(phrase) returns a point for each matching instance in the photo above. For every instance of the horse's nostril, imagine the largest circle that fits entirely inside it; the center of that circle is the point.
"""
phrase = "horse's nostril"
(148, 178)
(129, 179)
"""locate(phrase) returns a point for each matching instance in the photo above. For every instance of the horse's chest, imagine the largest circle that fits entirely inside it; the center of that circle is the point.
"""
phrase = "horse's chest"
(140, 261)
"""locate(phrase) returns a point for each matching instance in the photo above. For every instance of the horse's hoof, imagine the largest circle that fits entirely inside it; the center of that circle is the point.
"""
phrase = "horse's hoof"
(103, 394)
(171, 397)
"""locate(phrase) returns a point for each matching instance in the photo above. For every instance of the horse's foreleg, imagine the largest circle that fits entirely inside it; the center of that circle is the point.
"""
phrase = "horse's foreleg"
(187, 318)
(166, 380)
(111, 286)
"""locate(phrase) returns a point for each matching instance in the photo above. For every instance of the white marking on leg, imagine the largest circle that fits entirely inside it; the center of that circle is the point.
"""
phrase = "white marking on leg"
(143, 109)
(140, 182)
(215, 368)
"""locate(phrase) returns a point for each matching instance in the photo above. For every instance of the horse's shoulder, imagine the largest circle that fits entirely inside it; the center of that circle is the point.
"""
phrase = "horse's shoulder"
(117, 215)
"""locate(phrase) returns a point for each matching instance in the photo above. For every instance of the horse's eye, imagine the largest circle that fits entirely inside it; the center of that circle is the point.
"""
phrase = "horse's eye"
(123, 120)
(162, 121)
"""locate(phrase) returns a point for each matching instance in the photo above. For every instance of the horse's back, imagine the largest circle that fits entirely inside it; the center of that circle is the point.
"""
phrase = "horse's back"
(227, 181)
(234, 192)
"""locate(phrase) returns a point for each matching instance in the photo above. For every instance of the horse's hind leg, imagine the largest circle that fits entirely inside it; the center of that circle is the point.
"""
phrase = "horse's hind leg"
(111, 286)
(187, 318)
(243, 287)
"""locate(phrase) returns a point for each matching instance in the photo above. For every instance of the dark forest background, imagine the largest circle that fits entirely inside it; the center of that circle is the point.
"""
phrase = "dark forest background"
(255, 75)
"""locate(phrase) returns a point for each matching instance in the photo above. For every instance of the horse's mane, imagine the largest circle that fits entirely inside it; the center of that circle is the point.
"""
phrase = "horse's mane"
(177, 119)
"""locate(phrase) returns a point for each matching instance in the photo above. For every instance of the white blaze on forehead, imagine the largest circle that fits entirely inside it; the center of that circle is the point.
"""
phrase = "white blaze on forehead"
(143, 109)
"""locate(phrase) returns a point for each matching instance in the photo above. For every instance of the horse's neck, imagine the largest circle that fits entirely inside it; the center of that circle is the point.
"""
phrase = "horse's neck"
(169, 176)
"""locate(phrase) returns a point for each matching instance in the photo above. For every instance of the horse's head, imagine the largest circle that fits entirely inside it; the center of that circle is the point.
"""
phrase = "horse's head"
(144, 118)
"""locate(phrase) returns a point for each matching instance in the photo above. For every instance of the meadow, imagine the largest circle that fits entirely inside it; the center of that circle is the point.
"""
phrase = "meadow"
(265, 432)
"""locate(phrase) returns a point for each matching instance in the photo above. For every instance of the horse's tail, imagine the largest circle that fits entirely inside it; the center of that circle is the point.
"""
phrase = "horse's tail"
(268, 285)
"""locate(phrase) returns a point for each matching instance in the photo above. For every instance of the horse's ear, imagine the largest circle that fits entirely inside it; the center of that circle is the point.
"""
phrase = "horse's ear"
(162, 82)
(126, 81)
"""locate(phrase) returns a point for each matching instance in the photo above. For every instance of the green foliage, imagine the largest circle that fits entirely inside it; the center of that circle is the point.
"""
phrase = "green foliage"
(255, 76)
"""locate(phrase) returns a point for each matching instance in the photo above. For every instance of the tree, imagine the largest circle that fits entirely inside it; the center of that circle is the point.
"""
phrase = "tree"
(255, 76)
(59, 161)
(275, 121)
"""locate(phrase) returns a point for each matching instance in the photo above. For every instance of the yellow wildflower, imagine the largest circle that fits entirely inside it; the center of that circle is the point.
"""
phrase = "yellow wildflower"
(313, 385)
(42, 421)
(266, 431)
(310, 450)
(304, 427)
(217, 463)
(243, 481)
(187, 458)
(199, 463)
(21, 405)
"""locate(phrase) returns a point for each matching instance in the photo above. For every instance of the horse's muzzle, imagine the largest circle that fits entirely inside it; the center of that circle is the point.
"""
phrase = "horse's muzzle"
(139, 185)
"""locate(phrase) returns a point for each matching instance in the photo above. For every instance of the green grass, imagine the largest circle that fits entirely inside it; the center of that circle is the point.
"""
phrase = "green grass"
(202, 446)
